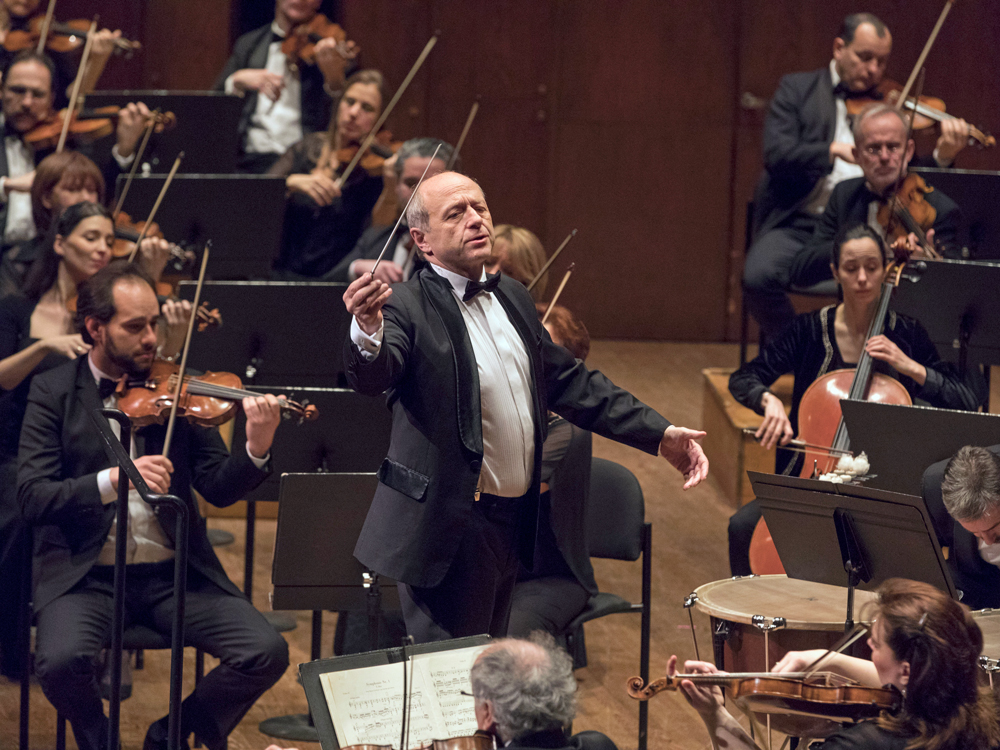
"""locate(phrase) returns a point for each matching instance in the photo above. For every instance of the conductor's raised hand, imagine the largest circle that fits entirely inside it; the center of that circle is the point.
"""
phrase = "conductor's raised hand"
(680, 447)
(364, 299)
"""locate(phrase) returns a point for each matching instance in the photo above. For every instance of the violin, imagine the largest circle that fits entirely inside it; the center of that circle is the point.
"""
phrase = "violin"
(206, 400)
(908, 212)
(87, 126)
(801, 704)
(372, 160)
(299, 46)
(62, 37)
(927, 111)
(479, 741)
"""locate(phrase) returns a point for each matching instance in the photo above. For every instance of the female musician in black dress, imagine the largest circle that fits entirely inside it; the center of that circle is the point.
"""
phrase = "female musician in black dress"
(924, 644)
(834, 338)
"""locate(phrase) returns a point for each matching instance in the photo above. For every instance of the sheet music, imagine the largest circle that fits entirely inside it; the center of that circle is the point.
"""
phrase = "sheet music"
(366, 704)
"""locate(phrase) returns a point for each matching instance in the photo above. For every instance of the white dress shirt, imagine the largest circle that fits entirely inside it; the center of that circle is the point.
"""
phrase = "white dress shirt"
(275, 125)
(504, 388)
(20, 221)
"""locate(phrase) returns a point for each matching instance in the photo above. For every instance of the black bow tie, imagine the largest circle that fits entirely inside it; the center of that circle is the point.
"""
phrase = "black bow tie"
(106, 387)
(843, 91)
(475, 287)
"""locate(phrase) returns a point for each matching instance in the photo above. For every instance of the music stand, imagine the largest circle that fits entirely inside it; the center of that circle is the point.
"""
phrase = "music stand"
(977, 192)
(319, 520)
(241, 214)
(902, 441)
(847, 535)
(207, 128)
(274, 332)
(957, 302)
(309, 675)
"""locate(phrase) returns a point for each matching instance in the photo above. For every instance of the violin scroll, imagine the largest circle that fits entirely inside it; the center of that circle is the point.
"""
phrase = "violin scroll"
(638, 689)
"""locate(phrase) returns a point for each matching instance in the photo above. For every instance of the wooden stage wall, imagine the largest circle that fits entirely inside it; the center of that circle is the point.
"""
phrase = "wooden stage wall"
(635, 122)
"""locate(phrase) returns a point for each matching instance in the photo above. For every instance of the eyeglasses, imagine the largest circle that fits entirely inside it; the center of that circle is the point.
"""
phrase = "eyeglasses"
(892, 148)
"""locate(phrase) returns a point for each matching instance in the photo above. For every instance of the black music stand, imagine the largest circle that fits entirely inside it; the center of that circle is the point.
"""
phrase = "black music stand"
(977, 192)
(847, 535)
(902, 441)
(957, 302)
(241, 214)
(309, 674)
(274, 332)
(319, 521)
(206, 129)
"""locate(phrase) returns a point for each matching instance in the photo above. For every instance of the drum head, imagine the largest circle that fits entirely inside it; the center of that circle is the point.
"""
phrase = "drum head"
(804, 605)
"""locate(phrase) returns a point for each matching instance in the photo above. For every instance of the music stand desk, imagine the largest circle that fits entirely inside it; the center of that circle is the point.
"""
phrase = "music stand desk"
(977, 193)
(309, 674)
(902, 441)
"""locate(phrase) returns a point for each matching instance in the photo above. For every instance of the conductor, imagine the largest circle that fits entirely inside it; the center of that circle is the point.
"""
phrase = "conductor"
(470, 375)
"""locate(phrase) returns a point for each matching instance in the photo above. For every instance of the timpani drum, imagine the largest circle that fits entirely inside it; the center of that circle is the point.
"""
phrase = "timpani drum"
(988, 621)
(746, 610)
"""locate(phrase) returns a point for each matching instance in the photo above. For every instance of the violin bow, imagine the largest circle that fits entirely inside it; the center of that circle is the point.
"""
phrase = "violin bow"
(156, 206)
(386, 112)
(150, 127)
(923, 54)
(400, 219)
(465, 132)
(555, 297)
(551, 260)
(184, 354)
(43, 35)
(74, 103)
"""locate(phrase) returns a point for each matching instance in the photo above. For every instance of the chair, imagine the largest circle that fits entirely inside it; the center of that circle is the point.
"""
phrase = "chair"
(617, 530)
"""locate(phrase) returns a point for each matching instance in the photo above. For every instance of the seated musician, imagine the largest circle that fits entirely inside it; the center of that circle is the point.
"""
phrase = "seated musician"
(518, 253)
(27, 101)
(883, 152)
(324, 222)
(808, 149)
(557, 588)
(830, 339)
(963, 499)
(525, 694)
(924, 644)
(18, 15)
(68, 491)
(401, 259)
(283, 103)
(61, 180)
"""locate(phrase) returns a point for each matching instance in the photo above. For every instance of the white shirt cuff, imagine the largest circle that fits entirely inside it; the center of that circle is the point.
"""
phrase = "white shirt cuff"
(939, 162)
(230, 88)
(369, 345)
(351, 273)
(259, 462)
(3, 190)
(123, 161)
(108, 493)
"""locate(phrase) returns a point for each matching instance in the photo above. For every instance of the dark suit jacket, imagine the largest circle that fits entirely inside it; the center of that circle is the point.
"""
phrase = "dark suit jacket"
(427, 483)
(848, 204)
(368, 247)
(250, 51)
(974, 577)
(556, 739)
(60, 455)
(798, 131)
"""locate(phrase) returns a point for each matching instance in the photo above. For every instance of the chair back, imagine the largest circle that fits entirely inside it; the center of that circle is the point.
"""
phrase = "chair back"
(616, 512)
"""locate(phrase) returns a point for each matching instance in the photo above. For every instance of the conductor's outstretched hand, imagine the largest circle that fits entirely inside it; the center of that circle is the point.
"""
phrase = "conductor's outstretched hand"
(680, 447)
(364, 299)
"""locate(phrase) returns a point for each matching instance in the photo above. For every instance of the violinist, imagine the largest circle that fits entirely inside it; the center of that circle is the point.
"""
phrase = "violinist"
(833, 338)
(283, 104)
(525, 694)
(67, 487)
(883, 152)
(808, 149)
(925, 645)
(322, 221)
(402, 171)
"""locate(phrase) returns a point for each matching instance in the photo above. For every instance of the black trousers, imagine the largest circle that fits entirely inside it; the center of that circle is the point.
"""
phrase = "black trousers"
(767, 274)
(74, 628)
(547, 604)
(475, 594)
(741, 527)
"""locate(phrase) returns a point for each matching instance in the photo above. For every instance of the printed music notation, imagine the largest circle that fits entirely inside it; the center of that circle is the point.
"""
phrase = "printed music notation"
(366, 704)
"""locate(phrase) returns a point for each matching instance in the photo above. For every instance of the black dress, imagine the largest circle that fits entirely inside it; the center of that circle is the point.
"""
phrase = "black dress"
(15, 328)
(315, 238)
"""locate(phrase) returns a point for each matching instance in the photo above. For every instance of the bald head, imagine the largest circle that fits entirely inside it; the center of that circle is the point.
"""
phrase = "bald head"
(451, 223)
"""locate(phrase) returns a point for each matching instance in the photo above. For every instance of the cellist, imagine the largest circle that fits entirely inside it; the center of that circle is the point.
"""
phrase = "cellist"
(833, 338)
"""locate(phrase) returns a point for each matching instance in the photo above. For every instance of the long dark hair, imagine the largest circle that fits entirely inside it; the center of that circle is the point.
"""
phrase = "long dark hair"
(45, 270)
(945, 705)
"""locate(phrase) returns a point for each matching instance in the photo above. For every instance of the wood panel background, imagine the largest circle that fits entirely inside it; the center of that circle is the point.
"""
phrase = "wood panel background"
(626, 120)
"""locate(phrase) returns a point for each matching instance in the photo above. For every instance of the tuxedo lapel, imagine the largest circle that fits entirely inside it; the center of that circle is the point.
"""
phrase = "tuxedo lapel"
(827, 103)
(470, 420)
(258, 56)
